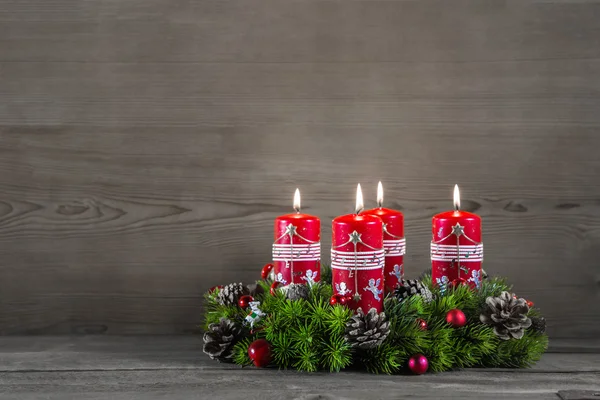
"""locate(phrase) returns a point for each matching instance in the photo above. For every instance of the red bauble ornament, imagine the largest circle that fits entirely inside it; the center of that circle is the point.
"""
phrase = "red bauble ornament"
(245, 300)
(459, 282)
(334, 299)
(274, 287)
(212, 289)
(259, 352)
(418, 364)
(339, 299)
(266, 270)
(530, 304)
(422, 324)
(456, 318)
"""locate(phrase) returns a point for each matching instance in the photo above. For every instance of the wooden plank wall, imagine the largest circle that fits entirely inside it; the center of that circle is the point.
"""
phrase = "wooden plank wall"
(147, 145)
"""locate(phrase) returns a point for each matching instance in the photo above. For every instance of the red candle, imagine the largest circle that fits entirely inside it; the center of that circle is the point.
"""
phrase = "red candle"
(394, 242)
(297, 247)
(456, 248)
(357, 258)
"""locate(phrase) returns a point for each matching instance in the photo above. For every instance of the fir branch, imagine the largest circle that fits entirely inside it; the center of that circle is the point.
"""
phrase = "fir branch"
(384, 359)
(336, 354)
(335, 321)
(326, 273)
(319, 310)
(308, 361)
(283, 350)
(240, 352)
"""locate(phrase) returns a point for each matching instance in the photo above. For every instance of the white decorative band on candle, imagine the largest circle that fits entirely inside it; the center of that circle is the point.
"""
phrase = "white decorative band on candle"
(450, 252)
(394, 248)
(359, 260)
(297, 252)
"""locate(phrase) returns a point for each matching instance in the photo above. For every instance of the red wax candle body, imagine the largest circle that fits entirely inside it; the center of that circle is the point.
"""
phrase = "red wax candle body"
(297, 249)
(456, 248)
(394, 245)
(357, 260)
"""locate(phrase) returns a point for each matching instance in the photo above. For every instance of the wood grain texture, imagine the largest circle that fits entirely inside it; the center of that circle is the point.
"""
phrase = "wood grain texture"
(146, 146)
(152, 367)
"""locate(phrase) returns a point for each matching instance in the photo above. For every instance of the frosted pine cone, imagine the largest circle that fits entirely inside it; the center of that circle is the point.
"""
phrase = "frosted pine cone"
(219, 340)
(538, 324)
(296, 291)
(230, 294)
(367, 331)
(508, 316)
(412, 287)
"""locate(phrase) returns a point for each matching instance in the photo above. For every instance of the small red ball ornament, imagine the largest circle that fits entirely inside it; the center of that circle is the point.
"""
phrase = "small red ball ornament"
(245, 300)
(334, 300)
(418, 364)
(422, 324)
(456, 318)
(259, 352)
(459, 282)
(339, 299)
(530, 303)
(266, 270)
(274, 287)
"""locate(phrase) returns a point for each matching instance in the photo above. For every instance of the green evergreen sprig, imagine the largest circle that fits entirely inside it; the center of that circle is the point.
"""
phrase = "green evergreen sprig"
(308, 335)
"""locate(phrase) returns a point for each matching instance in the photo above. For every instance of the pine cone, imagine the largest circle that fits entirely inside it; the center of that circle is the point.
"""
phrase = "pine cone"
(255, 290)
(411, 287)
(538, 324)
(296, 291)
(367, 331)
(508, 316)
(424, 274)
(230, 294)
(220, 338)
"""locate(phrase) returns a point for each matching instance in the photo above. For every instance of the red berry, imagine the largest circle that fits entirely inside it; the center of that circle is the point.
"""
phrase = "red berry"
(259, 352)
(422, 324)
(418, 364)
(459, 282)
(530, 303)
(212, 289)
(343, 300)
(245, 300)
(334, 300)
(266, 270)
(456, 318)
(274, 287)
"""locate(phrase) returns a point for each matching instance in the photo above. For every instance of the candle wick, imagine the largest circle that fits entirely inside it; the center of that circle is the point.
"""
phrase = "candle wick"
(297, 210)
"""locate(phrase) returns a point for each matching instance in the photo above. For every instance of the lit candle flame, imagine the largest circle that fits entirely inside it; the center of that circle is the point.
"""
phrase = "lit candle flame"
(456, 198)
(297, 200)
(359, 200)
(379, 194)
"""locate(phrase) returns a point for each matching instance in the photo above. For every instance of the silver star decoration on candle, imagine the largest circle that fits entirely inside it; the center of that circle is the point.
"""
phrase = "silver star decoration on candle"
(355, 237)
(290, 230)
(356, 297)
(458, 229)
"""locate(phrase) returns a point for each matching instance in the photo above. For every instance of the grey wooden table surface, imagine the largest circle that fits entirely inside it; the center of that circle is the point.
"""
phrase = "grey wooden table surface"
(173, 367)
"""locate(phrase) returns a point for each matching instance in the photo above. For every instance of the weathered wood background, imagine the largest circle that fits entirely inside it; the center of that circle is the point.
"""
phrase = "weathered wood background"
(147, 145)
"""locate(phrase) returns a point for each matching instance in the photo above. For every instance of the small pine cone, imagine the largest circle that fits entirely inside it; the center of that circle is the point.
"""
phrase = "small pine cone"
(538, 324)
(424, 274)
(230, 294)
(220, 338)
(411, 287)
(296, 291)
(507, 314)
(255, 290)
(367, 331)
